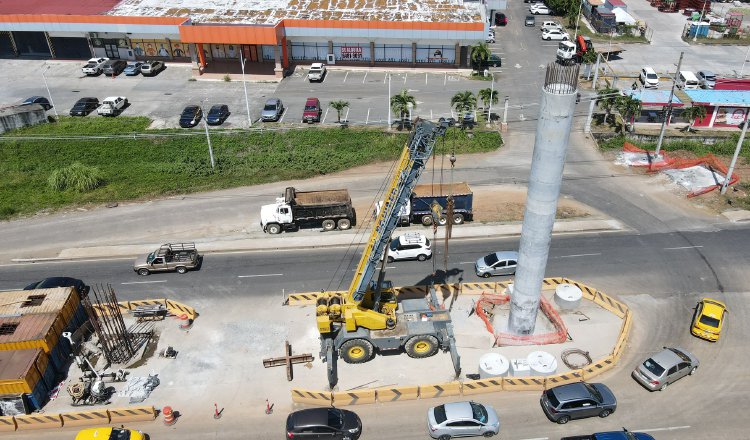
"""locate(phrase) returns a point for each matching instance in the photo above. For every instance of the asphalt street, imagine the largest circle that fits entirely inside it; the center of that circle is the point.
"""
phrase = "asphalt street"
(660, 276)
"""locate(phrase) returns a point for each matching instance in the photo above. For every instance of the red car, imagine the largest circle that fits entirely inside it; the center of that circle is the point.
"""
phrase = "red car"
(312, 110)
(500, 19)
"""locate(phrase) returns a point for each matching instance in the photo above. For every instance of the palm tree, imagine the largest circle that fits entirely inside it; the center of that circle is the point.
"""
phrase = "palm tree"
(339, 106)
(693, 113)
(400, 104)
(607, 98)
(629, 108)
(480, 53)
(488, 95)
(464, 102)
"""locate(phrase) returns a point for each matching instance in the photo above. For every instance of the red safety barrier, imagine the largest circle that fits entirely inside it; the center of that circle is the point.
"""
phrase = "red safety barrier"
(559, 335)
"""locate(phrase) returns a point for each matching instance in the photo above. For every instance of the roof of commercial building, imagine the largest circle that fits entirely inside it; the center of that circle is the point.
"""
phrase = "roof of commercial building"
(29, 302)
(67, 7)
(271, 12)
(15, 363)
(721, 97)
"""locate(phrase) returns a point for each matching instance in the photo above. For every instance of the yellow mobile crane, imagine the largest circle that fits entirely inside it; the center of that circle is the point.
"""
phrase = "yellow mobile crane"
(368, 318)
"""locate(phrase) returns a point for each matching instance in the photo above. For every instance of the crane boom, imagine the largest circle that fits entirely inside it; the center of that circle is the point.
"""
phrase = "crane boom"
(412, 163)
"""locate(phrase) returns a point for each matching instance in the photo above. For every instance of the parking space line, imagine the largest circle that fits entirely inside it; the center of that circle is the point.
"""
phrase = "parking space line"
(670, 428)
(346, 117)
(367, 119)
(425, 78)
(385, 78)
(261, 275)
(406, 75)
(346, 76)
(466, 262)
(363, 79)
(445, 80)
(578, 255)
(325, 115)
(282, 115)
(682, 247)
(145, 282)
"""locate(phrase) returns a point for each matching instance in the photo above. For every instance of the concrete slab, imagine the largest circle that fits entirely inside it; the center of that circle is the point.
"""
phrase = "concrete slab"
(740, 215)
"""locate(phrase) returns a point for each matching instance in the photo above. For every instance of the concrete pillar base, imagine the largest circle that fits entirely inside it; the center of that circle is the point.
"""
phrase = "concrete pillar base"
(278, 72)
(504, 127)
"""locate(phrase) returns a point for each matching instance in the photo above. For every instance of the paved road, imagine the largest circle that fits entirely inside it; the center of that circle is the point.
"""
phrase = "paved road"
(660, 276)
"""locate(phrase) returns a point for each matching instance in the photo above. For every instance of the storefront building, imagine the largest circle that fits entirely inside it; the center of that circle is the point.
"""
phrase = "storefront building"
(350, 32)
(724, 108)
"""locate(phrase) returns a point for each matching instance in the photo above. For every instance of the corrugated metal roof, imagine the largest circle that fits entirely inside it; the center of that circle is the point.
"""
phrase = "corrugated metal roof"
(16, 363)
(19, 302)
(739, 98)
(28, 327)
(68, 7)
(646, 96)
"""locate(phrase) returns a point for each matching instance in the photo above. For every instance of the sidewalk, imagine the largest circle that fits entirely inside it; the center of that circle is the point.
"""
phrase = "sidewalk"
(313, 239)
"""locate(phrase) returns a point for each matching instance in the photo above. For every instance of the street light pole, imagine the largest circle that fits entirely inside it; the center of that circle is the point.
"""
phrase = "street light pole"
(578, 20)
(492, 95)
(244, 86)
(208, 137)
(44, 77)
(668, 111)
(728, 177)
(388, 107)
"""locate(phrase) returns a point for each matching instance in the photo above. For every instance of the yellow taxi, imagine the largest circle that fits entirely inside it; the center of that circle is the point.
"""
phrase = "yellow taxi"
(709, 318)
(109, 433)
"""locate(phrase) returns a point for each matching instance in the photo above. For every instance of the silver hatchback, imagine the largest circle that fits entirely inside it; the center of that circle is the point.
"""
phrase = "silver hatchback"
(496, 263)
(665, 367)
(462, 419)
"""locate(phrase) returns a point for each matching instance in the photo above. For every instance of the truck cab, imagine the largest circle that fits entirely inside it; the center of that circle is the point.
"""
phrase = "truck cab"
(272, 216)
(566, 51)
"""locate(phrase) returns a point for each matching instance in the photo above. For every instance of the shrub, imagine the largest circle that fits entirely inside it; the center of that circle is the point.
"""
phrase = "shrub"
(77, 177)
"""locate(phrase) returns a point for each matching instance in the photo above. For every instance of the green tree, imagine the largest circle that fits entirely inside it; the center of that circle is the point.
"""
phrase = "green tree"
(464, 102)
(607, 98)
(589, 57)
(480, 53)
(488, 95)
(693, 113)
(400, 104)
(629, 108)
(339, 106)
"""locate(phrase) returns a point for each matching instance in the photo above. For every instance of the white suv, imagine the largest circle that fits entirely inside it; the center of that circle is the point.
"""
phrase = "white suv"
(649, 78)
(410, 246)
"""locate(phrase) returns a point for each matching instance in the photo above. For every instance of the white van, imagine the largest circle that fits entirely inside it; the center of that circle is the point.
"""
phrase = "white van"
(687, 80)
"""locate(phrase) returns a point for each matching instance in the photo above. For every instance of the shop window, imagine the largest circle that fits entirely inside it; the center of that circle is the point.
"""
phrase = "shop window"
(393, 53)
(436, 54)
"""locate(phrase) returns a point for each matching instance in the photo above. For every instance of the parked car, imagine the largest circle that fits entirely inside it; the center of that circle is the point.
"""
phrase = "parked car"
(490, 38)
(707, 79)
(577, 401)
(84, 106)
(529, 21)
(191, 116)
(112, 106)
(410, 246)
(540, 10)
(52, 282)
(665, 367)
(649, 78)
(273, 110)
(500, 19)
(317, 72)
(612, 435)
(133, 68)
(312, 111)
(323, 423)
(468, 119)
(548, 24)
(151, 68)
(217, 114)
(109, 433)
(41, 100)
(555, 34)
(494, 61)
(94, 66)
(496, 263)
(462, 419)
(114, 67)
(709, 319)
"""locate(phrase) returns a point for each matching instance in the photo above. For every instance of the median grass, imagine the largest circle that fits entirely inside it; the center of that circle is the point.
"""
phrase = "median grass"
(134, 163)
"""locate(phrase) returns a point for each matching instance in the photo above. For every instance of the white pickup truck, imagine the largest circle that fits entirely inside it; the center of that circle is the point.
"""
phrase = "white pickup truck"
(94, 66)
(317, 72)
(112, 106)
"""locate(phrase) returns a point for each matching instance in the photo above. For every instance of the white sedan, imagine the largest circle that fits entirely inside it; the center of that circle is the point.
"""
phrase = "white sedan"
(555, 34)
(539, 10)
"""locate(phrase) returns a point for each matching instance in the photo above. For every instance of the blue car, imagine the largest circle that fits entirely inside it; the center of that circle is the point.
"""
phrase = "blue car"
(133, 68)
(614, 435)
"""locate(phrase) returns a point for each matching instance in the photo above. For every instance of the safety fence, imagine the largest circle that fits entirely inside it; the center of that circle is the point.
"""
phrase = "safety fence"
(78, 418)
(489, 385)
(173, 307)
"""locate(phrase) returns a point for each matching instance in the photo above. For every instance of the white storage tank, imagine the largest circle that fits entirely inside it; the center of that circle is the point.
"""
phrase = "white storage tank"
(493, 365)
(542, 363)
(568, 297)
(519, 367)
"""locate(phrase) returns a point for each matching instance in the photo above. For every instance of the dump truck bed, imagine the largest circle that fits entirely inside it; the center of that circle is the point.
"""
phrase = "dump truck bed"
(317, 198)
(427, 190)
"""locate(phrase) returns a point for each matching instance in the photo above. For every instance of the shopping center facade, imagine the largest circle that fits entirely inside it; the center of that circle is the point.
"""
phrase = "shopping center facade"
(283, 32)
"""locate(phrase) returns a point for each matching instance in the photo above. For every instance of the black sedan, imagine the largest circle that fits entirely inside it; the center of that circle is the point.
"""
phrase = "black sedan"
(41, 100)
(84, 106)
(191, 116)
(218, 114)
(52, 282)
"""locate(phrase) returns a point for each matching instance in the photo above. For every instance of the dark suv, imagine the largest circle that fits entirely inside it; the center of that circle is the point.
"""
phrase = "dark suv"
(323, 423)
(84, 106)
(191, 116)
(312, 110)
(577, 401)
(114, 67)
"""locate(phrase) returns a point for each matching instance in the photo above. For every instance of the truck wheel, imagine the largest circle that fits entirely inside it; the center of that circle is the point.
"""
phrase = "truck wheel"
(329, 225)
(273, 228)
(421, 346)
(181, 269)
(442, 221)
(458, 219)
(344, 224)
(143, 272)
(356, 351)
(427, 220)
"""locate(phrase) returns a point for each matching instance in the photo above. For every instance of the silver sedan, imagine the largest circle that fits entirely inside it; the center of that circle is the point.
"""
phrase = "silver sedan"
(462, 419)
(665, 367)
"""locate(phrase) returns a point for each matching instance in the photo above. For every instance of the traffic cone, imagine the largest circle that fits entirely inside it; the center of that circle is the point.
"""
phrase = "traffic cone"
(169, 418)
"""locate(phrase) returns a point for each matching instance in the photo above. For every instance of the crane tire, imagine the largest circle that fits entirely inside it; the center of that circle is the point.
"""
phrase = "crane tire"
(356, 351)
(421, 346)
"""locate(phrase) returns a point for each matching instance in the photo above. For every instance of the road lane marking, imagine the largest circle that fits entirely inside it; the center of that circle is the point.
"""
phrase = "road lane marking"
(363, 79)
(11, 290)
(145, 282)
(425, 81)
(467, 262)
(682, 247)
(536, 438)
(261, 275)
(578, 255)
(670, 428)
(41, 261)
(406, 75)
(346, 76)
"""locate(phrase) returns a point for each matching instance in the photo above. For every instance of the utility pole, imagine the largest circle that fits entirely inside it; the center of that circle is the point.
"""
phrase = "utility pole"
(668, 111)
(724, 185)
(244, 86)
(208, 138)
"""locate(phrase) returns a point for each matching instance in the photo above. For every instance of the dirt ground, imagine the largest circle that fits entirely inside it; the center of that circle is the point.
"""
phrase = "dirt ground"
(507, 204)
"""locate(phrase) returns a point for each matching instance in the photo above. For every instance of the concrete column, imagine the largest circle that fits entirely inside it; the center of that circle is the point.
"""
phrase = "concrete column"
(553, 128)
(372, 53)
(413, 54)
(278, 70)
(330, 48)
(457, 63)
(286, 49)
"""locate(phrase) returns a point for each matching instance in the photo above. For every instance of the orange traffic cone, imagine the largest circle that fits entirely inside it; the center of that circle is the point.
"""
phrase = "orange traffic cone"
(169, 418)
